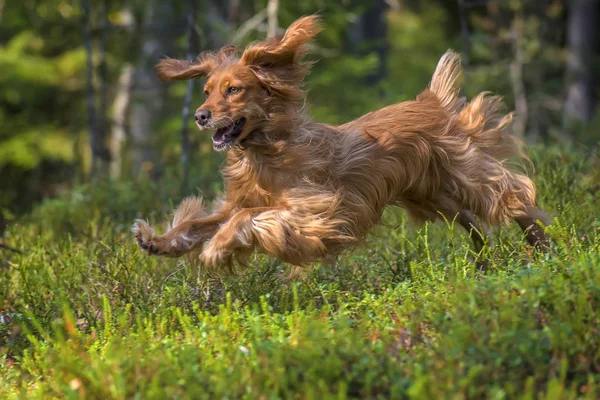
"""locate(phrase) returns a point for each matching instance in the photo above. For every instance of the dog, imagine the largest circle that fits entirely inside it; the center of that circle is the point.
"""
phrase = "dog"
(303, 192)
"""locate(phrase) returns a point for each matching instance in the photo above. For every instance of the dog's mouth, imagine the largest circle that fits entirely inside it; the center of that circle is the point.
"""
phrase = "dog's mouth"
(226, 136)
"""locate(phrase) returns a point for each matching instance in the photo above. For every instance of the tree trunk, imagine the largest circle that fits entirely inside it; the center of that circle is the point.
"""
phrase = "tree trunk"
(217, 29)
(99, 151)
(101, 164)
(466, 42)
(272, 11)
(120, 111)
(2, 4)
(233, 12)
(375, 31)
(517, 79)
(368, 35)
(582, 32)
(148, 93)
(185, 114)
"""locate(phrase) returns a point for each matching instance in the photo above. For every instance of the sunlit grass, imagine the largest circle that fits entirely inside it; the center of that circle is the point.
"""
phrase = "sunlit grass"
(86, 315)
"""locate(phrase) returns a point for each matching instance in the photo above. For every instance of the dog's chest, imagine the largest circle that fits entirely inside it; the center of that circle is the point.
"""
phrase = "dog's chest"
(256, 185)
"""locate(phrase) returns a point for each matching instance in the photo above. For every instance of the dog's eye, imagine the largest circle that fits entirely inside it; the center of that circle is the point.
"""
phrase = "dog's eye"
(206, 93)
(234, 90)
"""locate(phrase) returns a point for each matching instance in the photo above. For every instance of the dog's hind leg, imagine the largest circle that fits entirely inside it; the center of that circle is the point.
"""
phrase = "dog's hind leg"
(453, 212)
(478, 234)
(534, 233)
(467, 220)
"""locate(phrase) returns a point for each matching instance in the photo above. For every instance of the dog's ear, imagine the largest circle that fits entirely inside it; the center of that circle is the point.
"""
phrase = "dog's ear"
(170, 69)
(288, 50)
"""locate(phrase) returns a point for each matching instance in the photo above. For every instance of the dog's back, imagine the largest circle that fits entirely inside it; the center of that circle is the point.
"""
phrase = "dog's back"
(441, 154)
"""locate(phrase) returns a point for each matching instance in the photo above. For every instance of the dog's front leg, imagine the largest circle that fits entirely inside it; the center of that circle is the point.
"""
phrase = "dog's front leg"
(292, 237)
(182, 239)
(190, 229)
(231, 237)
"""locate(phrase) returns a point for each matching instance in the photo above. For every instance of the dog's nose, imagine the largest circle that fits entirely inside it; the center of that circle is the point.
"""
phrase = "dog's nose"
(202, 116)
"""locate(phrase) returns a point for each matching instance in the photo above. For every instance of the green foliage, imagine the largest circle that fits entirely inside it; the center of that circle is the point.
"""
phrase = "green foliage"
(86, 315)
(28, 149)
(530, 35)
(337, 96)
(44, 126)
(417, 41)
(40, 100)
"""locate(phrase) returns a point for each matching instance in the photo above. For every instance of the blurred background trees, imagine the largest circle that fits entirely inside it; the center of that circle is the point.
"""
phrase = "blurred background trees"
(79, 100)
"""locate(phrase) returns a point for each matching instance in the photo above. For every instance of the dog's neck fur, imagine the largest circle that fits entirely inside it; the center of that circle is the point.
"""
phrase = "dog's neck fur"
(267, 163)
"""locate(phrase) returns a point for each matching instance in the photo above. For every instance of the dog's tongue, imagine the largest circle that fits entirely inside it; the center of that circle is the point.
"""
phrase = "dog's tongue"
(221, 133)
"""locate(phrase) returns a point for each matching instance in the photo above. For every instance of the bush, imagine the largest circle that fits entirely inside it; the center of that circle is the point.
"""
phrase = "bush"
(85, 314)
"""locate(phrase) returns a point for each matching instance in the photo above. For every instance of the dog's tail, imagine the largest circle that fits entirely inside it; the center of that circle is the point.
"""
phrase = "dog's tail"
(481, 119)
(445, 83)
(503, 161)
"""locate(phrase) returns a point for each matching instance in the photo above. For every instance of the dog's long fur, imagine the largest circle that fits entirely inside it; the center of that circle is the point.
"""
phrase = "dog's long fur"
(303, 191)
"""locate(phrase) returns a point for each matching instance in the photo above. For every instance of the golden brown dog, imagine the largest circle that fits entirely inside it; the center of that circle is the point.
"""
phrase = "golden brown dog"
(302, 191)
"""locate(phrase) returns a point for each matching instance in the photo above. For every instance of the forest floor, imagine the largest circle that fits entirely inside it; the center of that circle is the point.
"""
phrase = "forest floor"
(84, 314)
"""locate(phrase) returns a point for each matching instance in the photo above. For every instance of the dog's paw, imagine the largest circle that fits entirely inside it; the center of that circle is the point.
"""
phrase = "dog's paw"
(147, 240)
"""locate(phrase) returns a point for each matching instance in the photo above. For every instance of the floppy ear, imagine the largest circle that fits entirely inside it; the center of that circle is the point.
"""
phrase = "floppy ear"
(288, 50)
(170, 69)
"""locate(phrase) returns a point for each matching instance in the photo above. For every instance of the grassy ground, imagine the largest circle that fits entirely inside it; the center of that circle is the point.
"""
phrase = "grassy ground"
(85, 315)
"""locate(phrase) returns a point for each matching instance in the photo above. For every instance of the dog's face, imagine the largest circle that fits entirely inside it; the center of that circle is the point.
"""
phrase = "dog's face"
(232, 106)
(251, 92)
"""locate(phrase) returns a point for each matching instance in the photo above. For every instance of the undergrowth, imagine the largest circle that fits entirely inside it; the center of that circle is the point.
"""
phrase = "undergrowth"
(84, 314)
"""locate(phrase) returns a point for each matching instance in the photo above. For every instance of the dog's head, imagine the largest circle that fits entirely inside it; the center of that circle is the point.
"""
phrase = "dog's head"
(261, 90)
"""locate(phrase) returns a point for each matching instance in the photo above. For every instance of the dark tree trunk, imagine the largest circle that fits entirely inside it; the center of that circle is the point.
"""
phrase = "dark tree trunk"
(216, 16)
(234, 12)
(582, 32)
(185, 115)
(148, 94)
(101, 164)
(99, 151)
(369, 34)
(375, 31)
(464, 34)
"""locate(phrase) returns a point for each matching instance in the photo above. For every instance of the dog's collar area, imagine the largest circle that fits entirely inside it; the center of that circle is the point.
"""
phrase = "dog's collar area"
(245, 143)
(242, 146)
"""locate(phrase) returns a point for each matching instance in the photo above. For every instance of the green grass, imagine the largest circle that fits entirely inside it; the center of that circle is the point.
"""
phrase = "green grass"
(406, 316)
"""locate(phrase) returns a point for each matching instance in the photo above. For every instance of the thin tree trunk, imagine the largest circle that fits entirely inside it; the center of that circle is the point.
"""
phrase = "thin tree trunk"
(368, 34)
(233, 12)
(100, 166)
(516, 75)
(218, 30)
(272, 24)
(100, 153)
(464, 34)
(91, 106)
(374, 28)
(2, 4)
(185, 115)
(537, 124)
(148, 93)
(582, 33)
(119, 112)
